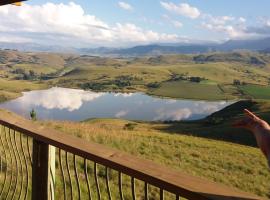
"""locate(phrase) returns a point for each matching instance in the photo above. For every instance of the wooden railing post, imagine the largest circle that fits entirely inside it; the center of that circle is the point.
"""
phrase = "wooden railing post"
(42, 171)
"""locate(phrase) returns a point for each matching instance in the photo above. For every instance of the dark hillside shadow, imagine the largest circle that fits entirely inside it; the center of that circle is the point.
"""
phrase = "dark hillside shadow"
(218, 126)
(222, 132)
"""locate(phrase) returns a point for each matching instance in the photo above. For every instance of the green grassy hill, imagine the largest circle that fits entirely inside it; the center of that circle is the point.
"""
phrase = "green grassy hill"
(235, 165)
(208, 76)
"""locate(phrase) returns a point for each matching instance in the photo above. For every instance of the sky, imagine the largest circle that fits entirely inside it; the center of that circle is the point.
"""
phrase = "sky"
(113, 23)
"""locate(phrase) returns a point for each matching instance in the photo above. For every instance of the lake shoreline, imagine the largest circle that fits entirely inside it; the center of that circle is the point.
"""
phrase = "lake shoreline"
(78, 104)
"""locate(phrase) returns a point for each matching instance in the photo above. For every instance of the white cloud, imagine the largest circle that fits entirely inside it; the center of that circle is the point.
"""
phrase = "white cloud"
(68, 24)
(234, 28)
(230, 30)
(175, 23)
(181, 9)
(242, 20)
(59, 98)
(125, 5)
(221, 20)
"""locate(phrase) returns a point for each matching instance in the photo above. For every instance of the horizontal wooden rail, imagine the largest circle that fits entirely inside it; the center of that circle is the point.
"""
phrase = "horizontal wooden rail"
(165, 178)
(5, 2)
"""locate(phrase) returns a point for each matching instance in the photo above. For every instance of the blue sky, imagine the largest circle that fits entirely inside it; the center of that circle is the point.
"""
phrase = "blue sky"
(132, 22)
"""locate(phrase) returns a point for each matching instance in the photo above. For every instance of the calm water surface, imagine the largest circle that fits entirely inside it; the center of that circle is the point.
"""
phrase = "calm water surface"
(73, 104)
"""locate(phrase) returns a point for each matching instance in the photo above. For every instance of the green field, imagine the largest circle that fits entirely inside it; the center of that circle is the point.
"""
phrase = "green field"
(186, 90)
(256, 91)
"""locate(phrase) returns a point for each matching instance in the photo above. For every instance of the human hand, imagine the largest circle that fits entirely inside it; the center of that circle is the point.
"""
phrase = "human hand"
(259, 128)
(251, 122)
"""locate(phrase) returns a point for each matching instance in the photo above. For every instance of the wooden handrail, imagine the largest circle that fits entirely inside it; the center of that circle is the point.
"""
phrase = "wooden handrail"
(165, 178)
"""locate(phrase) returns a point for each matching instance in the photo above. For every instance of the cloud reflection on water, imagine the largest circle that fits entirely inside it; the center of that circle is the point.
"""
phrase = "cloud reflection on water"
(178, 114)
(198, 108)
(73, 104)
(121, 113)
(59, 98)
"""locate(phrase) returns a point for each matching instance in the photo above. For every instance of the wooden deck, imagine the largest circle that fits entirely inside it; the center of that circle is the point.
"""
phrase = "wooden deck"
(168, 179)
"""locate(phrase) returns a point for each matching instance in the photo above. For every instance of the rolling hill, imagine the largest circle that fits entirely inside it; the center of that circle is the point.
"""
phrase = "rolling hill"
(223, 75)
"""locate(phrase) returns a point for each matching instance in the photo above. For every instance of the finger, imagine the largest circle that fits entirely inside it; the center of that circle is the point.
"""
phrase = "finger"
(250, 114)
(239, 123)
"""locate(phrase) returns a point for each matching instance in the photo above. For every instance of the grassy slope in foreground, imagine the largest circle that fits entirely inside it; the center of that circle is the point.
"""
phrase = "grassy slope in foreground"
(231, 164)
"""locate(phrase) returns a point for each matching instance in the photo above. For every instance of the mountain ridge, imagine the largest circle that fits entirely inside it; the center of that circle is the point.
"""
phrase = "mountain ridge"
(262, 45)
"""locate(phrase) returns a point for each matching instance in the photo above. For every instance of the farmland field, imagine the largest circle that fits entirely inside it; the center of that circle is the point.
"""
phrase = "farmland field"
(256, 91)
(180, 89)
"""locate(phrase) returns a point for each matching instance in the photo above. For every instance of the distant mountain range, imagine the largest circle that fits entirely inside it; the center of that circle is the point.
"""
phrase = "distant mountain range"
(262, 45)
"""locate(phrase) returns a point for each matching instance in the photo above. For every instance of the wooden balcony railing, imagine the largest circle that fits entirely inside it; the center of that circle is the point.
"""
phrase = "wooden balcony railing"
(39, 163)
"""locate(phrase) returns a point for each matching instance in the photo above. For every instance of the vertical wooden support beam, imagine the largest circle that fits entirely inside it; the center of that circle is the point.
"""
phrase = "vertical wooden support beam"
(42, 171)
(52, 170)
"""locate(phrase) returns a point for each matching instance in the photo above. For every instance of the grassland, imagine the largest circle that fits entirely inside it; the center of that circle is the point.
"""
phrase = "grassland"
(186, 90)
(256, 91)
(209, 76)
(237, 166)
(210, 148)
(10, 89)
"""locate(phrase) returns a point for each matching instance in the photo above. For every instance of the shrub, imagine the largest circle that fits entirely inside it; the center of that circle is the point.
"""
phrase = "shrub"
(130, 126)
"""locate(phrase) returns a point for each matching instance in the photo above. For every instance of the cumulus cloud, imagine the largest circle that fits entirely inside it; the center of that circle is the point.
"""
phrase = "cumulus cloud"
(68, 24)
(175, 23)
(220, 20)
(59, 98)
(234, 28)
(183, 9)
(239, 31)
(262, 29)
(242, 19)
(230, 30)
(125, 5)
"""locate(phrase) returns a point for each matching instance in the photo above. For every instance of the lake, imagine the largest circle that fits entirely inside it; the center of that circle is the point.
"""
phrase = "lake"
(73, 104)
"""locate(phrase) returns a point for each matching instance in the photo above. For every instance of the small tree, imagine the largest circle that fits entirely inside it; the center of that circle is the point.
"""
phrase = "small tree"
(33, 115)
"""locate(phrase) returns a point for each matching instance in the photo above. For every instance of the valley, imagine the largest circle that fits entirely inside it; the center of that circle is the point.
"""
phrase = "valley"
(222, 76)
(208, 147)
